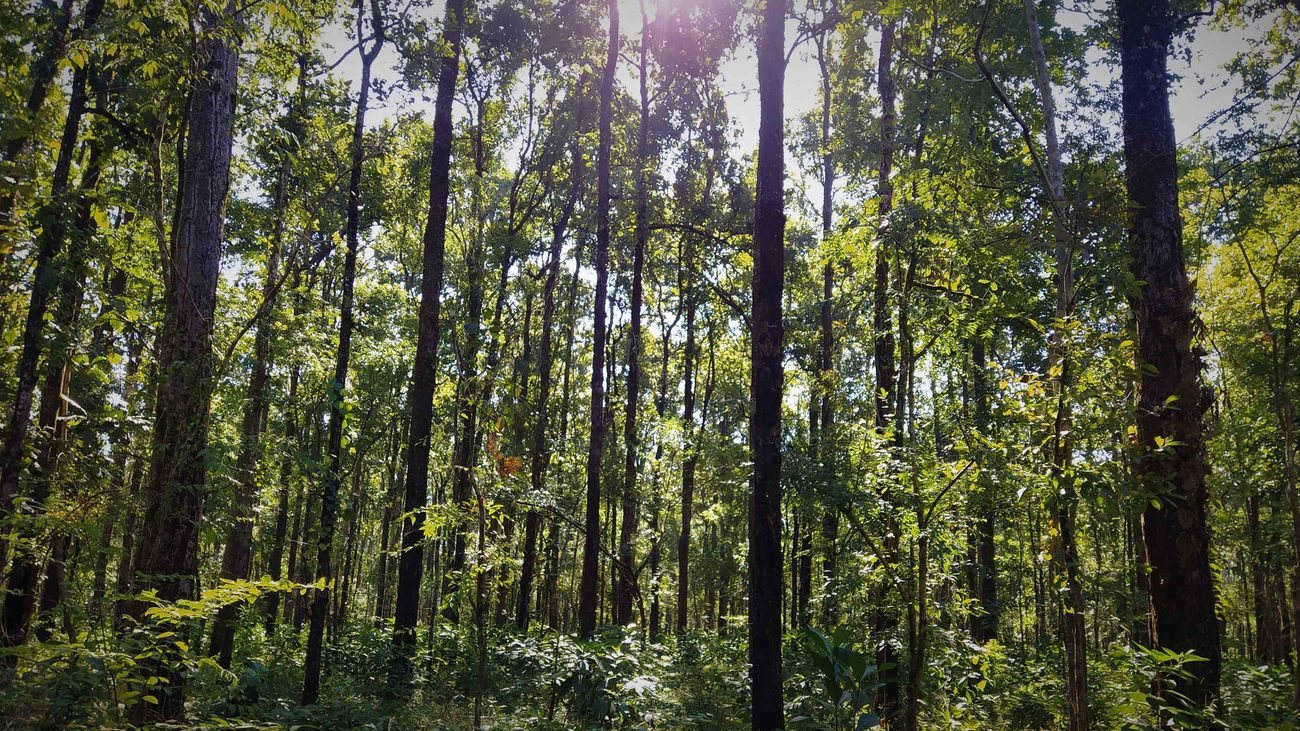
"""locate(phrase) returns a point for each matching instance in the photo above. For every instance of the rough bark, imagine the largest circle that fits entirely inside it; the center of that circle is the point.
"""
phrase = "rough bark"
(1169, 398)
(767, 347)
(167, 554)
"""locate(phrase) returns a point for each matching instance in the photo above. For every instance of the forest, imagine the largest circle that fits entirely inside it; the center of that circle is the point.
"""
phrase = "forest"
(649, 364)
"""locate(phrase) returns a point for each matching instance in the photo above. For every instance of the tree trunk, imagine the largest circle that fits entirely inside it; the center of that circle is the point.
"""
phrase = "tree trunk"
(767, 348)
(589, 593)
(329, 501)
(1063, 497)
(627, 578)
(20, 601)
(539, 457)
(887, 698)
(826, 446)
(1169, 399)
(411, 564)
(54, 220)
(984, 626)
(237, 557)
(167, 555)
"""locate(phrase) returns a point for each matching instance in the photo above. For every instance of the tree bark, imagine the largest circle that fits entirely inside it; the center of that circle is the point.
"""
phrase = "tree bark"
(1169, 399)
(167, 555)
(411, 564)
(337, 394)
(767, 348)
(589, 592)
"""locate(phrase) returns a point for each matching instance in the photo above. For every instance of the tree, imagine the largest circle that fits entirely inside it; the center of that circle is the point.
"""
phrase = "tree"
(1171, 464)
(338, 405)
(767, 348)
(596, 432)
(167, 556)
(410, 569)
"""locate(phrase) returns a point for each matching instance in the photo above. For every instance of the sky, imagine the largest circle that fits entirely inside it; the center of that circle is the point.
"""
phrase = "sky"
(1201, 89)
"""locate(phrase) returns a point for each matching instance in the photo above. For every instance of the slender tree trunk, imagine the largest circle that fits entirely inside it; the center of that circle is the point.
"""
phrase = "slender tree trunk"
(767, 351)
(826, 446)
(337, 393)
(276, 568)
(984, 626)
(589, 593)
(237, 557)
(20, 603)
(1169, 401)
(55, 219)
(1063, 500)
(540, 454)
(631, 441)
(167, 555)
(887, 698)
(410, 570)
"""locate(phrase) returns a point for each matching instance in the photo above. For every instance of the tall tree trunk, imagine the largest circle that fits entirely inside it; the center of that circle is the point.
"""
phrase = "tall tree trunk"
(287, 461)
(826, 446)
(767, 351)
(887, 698)
(410, 570)
(20, 601)
(1169, 399)
(329, 500)
(589, 593)
(1063, 502)
(55, 219)
(167, 555)
(627, 578)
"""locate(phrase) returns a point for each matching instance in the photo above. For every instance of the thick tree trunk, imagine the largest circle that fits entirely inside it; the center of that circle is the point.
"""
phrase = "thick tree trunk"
(167, 555)
(410, 570)
(337, 393)
(1169, 400)
(589, 592)
(767, 351)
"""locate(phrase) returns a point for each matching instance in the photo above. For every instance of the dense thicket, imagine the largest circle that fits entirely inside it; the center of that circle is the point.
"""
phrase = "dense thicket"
(825, 364)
